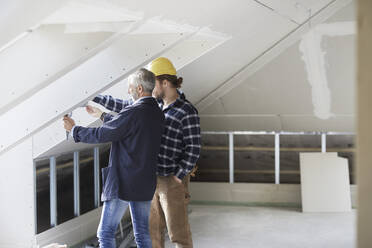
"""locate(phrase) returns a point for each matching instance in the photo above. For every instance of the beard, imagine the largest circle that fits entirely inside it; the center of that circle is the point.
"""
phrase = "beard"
(159, 95)
(134, 96)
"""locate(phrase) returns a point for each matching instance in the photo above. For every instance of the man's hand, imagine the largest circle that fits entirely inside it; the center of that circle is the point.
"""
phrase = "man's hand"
(93, 111)
(177, 179)
(68, 123)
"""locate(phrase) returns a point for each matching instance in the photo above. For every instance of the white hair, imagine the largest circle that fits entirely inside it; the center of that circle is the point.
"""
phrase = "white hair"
(143, 77)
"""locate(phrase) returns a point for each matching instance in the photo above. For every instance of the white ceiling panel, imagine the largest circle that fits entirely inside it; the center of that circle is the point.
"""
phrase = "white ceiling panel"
(261, 29)
(260, 61)
(274, 89)
(296, 10)
(92, 11)
(95, 75)
(277, 97)
(35, 60)
(18, 16)
(52, 138)
(282, 88)
(199, 44)
(215, 108)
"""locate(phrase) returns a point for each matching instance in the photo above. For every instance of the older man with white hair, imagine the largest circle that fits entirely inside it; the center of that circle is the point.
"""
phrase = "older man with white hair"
(130, 178)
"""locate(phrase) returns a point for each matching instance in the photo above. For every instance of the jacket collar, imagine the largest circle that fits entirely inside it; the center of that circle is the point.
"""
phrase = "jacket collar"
(143, 99)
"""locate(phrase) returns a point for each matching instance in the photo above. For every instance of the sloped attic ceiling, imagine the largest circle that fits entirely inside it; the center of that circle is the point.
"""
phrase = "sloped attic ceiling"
(93, 33)
(284, 95)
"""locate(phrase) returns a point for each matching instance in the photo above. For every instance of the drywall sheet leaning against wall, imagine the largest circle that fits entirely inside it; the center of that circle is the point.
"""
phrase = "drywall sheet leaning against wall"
(325, 184)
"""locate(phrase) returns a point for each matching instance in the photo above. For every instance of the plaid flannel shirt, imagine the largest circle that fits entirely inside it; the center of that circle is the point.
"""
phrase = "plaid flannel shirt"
(180, 143)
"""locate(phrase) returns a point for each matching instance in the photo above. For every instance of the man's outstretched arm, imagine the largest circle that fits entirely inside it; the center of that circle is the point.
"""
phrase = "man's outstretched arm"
(111, 103)
(113, 129)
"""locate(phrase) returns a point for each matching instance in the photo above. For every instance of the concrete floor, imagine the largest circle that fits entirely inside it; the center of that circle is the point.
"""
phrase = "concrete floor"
(264, 227)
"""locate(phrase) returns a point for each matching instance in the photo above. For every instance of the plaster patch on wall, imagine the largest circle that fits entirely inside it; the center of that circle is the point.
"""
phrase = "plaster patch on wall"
(314, 58)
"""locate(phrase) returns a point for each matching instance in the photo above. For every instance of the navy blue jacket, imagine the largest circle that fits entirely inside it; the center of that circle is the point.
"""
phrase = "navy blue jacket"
(135, 134)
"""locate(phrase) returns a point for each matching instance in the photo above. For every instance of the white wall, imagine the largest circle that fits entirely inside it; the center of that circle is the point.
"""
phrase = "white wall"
(17, 206)
(279, 96)
(251, 194)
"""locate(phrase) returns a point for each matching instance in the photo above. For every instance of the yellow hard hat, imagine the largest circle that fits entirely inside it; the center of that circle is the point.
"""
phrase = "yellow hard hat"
(161, 66)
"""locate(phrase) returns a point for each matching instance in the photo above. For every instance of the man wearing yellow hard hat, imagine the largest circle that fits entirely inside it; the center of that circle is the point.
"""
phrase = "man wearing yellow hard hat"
(179, 152)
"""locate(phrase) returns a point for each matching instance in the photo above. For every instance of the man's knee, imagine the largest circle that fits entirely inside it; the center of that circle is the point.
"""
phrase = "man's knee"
(105, 232)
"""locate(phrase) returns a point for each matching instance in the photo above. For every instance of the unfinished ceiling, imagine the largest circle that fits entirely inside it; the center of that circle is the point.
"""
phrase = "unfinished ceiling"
(236, 58)
(308, 87)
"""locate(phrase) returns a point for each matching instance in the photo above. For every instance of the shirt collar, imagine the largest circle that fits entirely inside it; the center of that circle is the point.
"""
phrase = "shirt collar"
(180, 99)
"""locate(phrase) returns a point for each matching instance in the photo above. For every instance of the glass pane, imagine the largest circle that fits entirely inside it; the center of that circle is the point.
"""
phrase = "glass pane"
(86, 181)
(42, 196)
(213, 164)
(254, 158)
(65, 188)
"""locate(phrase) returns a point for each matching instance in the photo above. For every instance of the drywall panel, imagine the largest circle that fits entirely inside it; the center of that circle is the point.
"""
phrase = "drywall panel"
(204, 41)
(262, 29)
(281, 87)
(345, 14)
(252, 66)
(41, 57)
(341, 70)
(216, 108)
(273, 89)
(283, 81)
(92, 11)
(17, 208)
(73, 231)
(18, 16)
(297, 11)
(54, 134)
(325, 185)
(75, 88)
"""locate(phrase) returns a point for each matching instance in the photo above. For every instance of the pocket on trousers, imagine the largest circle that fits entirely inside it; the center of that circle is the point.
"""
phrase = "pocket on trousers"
(187, 198)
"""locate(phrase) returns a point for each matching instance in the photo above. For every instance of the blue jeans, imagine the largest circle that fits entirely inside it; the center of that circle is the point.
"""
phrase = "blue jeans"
(112, 213)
